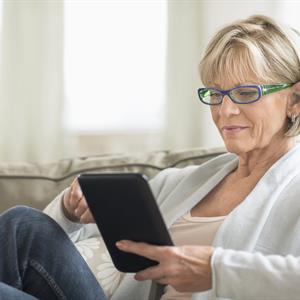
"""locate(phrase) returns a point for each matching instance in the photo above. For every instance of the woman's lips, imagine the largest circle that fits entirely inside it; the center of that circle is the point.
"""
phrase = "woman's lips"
(233, 129)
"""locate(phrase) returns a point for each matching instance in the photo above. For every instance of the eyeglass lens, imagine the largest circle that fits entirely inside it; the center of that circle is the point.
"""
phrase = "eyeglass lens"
(245, 94)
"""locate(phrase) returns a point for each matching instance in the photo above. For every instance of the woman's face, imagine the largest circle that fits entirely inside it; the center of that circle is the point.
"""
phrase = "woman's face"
(248, 127)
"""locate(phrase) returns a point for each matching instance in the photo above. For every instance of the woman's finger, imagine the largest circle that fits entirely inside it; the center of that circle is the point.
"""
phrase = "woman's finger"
(150, 251)
(87, 217)
(81, 207)
(76, 190)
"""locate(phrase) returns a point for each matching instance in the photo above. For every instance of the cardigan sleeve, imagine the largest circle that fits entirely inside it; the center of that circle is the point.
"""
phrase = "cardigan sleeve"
(248, 276)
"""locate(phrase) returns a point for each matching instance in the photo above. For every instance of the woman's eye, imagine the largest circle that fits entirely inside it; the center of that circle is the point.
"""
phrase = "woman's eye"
(251, 93)
(246, 93)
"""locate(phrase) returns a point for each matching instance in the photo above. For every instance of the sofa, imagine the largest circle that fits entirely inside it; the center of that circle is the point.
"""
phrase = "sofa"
(36, 184)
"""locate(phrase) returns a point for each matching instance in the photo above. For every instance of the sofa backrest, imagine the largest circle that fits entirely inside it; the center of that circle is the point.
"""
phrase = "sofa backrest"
(36, 184)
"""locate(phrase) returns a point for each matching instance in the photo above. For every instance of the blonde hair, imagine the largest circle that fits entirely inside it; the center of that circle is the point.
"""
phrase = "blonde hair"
(258, 47)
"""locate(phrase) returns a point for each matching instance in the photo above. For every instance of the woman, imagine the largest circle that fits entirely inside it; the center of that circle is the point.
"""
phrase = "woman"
(247, 200)
(38, 261)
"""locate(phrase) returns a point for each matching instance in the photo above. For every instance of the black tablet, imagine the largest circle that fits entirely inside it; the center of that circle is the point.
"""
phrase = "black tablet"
(123, 207)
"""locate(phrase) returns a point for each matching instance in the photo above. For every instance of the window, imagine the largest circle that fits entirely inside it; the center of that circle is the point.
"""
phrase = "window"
(115, 65)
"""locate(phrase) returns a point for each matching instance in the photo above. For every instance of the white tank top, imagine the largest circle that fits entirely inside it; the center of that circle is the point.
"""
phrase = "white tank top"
(190, 230)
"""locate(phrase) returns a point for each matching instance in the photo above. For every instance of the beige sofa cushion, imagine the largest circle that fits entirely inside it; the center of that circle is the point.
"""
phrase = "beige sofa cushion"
(36, 184)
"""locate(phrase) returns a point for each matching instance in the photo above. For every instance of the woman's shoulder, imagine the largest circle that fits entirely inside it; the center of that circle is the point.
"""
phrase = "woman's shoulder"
(171, 177)
(215, 163)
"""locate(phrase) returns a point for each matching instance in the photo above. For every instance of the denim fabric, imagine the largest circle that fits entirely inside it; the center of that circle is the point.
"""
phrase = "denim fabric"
(38, 259)
(8, 292)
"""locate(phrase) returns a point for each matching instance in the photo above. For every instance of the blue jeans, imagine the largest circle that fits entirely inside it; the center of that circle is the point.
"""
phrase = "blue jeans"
(38, 260)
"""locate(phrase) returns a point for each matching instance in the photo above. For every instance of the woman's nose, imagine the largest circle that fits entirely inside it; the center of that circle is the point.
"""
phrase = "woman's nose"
(228, 107)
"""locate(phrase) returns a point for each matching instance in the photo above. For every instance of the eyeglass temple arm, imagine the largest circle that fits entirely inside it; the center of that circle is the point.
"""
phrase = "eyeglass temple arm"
(271, 88)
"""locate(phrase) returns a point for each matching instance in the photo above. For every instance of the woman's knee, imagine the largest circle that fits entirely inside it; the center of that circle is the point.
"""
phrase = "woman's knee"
(23, 216)
(19, 211)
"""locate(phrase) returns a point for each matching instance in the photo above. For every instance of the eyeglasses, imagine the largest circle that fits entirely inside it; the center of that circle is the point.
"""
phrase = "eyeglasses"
(243, 94)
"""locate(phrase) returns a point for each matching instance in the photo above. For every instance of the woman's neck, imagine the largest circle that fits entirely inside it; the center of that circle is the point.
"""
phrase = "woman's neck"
(258, 161)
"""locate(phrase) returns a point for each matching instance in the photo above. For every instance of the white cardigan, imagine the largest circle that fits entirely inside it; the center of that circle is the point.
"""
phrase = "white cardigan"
(264, 228)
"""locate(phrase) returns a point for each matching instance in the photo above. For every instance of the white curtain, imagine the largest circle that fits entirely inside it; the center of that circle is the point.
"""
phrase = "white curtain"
(187, 121)
(31, 103)
(191, 24)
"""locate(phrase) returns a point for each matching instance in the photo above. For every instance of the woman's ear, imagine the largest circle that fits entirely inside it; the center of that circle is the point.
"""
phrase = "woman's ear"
(294, 101)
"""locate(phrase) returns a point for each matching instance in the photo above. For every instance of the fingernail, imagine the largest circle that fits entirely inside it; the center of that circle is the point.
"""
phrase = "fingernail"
(120, 244)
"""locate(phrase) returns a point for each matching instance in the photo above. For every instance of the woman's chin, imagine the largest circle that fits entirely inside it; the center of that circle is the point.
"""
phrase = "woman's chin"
(236, 147)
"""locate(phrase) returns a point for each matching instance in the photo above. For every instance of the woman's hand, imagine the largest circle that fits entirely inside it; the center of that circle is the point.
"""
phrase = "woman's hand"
(74, 205)
(185, 268)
